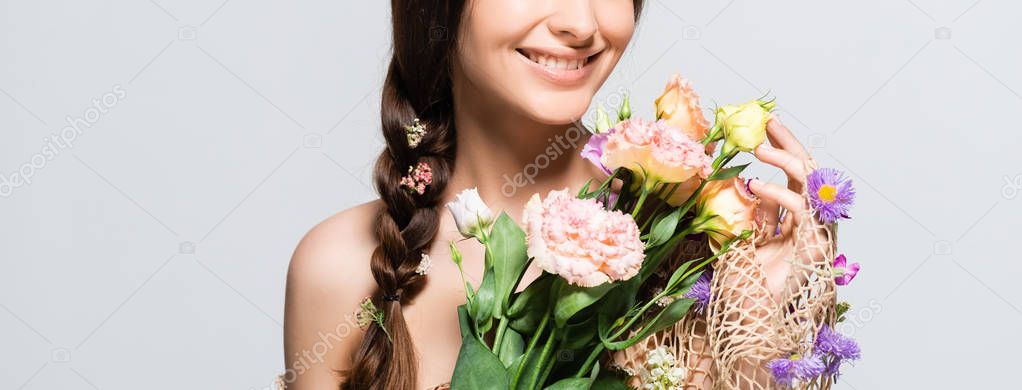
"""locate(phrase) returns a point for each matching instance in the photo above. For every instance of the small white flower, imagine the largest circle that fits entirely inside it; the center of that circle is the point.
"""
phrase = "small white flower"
(677, 374)
(414, 133)
(660, 371)
(425, 264)
(471, 215)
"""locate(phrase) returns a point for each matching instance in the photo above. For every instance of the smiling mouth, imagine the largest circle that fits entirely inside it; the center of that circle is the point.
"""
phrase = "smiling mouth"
(555, 62)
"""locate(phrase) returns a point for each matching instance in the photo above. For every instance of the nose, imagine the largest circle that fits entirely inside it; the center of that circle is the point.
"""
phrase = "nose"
(573, 20)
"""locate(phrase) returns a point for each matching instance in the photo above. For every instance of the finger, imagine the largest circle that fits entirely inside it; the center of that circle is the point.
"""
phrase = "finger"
(787, 224)
(787, 162)
(782, 138)
(783, 196)
(771, 212)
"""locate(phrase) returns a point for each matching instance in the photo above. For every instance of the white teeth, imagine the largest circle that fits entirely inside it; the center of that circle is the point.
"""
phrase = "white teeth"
(556, 62)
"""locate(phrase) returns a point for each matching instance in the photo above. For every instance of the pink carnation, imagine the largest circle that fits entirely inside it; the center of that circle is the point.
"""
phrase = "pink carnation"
(664, 152)
(580, 240)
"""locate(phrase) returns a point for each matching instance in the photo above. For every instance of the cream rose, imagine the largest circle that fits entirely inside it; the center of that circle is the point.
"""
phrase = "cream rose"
(728, 208)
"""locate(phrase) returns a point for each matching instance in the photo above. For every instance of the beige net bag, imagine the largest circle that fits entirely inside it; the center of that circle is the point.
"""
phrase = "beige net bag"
(747, 323)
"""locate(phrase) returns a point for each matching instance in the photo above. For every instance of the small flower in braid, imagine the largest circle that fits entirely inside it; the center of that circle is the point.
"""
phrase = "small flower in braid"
(418, 178)
(414, 133)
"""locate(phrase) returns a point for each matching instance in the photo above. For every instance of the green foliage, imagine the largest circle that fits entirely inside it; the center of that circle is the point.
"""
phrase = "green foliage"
(477, 366)
(571, 299)
(506, 244)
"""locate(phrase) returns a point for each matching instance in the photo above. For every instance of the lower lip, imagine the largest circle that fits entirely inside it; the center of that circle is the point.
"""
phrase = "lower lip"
(559, 76)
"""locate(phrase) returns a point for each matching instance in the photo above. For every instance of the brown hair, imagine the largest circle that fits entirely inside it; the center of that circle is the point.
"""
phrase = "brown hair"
(418, 85)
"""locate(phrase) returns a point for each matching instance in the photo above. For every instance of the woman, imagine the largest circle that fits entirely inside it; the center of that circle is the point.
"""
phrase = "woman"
(493, 83)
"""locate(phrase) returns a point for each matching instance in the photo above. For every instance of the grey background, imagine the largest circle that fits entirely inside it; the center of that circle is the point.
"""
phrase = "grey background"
(152, 253)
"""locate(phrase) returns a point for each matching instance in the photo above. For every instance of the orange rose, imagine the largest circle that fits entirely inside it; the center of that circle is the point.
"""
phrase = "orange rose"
(679, 106)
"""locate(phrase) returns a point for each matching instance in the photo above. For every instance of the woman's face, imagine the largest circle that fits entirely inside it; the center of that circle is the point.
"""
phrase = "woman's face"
(543, 58)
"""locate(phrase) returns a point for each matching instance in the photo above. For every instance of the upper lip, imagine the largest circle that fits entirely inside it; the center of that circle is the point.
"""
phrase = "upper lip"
(560, 52)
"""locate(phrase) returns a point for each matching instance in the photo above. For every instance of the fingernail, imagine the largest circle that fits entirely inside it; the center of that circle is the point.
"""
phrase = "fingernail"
(752, 182)
(765, 146)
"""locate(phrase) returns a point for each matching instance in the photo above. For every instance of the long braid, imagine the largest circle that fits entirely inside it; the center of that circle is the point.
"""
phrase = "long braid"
(418, 85)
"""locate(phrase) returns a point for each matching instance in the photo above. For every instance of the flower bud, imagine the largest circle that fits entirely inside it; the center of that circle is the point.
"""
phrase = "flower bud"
(602, 120)
(471, 215)
(744, 125)
(625, 111)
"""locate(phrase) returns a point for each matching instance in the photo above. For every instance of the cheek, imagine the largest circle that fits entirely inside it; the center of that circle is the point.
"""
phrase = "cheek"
(487, 33)
(616, 19)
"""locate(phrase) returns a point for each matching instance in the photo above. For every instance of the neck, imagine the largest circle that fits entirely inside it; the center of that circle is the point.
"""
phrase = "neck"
(508, 157)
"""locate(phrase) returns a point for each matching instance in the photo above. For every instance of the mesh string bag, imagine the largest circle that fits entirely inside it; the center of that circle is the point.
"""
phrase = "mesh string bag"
(746, 323)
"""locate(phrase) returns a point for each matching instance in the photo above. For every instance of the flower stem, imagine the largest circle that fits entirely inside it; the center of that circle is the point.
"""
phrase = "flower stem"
(660, 205)
(638, 204)
(498, 340)
(638, 315)
(542, 358)
(589, 361)
(532, 345)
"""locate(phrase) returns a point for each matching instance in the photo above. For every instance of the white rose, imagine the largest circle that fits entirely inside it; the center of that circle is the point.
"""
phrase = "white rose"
(470, 213)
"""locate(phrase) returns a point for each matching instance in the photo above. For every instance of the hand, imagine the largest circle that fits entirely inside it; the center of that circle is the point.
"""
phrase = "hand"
(776, 252)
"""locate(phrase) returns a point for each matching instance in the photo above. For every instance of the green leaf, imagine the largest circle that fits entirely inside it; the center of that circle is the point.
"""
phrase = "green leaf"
(513, 346)
(671, 314)
(477, 367)
(664, 228)
(529, 365)
(665, 318)
(484, 302)
(585, 189)
(678, 273)
(506, 246)
(571, 384)
(727, 173)
(571, 299)
(530, 305)
(464, 321)
(842, 308)
(609, 383)
(615, 305)
(578, 335)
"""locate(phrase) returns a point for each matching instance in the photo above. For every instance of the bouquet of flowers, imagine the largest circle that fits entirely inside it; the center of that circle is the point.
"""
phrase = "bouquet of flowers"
(600, 247)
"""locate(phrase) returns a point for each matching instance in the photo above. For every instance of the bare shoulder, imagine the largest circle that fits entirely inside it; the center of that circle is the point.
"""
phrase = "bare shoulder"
(327, 278)
(340, 244)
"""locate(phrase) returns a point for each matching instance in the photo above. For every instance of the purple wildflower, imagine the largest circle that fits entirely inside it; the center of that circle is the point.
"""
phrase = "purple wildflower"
(836, 344)
(797, 368)
(836, 347)
(593, 150)
(830, 193)
(700, 291)
(843, 272)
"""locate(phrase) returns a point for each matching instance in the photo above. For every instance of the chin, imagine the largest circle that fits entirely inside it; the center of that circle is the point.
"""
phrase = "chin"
(558, 109)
